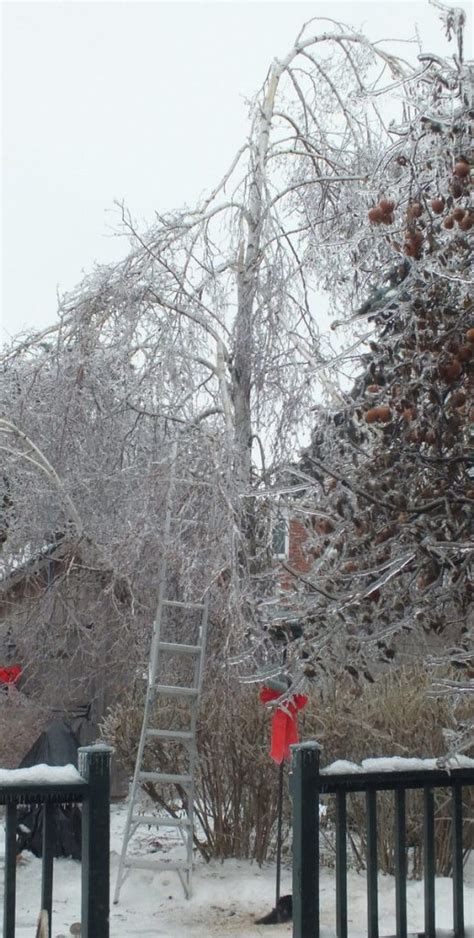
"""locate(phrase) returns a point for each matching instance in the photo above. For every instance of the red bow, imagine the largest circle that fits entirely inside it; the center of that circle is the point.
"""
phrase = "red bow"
(10, 675)
(284, 722)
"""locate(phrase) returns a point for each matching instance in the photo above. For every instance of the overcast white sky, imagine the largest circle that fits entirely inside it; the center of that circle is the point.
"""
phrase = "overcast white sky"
(137, 101)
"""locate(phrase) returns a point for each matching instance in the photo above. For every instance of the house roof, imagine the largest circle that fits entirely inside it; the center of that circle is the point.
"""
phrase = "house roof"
(30, 560)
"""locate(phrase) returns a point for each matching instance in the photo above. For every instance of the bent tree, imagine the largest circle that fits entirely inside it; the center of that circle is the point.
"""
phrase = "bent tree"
(215, 319)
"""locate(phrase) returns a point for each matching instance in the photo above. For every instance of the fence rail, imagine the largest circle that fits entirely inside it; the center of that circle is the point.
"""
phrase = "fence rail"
(92, 790)
(309, 782)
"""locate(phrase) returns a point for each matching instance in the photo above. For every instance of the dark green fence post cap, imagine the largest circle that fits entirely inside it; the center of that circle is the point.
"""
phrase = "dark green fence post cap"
(94, 761)
(304, 756)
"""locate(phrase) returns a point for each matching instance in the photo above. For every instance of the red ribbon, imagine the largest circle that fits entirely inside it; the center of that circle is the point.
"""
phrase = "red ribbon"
(284, 722)
(10, 675)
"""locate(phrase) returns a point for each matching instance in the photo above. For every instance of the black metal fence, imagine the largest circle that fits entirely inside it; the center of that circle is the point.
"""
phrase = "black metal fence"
(308, 784)
(92, 790)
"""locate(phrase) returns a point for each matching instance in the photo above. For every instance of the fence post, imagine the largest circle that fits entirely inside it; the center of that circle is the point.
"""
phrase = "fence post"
(305, 794)
(94, 766)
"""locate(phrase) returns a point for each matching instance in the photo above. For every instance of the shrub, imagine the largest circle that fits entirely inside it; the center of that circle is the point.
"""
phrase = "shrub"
(236, 781)
(394, 716)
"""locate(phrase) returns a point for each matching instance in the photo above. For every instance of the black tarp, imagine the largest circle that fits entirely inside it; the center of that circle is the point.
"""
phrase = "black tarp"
(56, 746)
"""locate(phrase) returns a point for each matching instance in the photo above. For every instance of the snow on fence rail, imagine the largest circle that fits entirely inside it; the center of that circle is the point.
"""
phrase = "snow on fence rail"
(395, 774)
(48, 786)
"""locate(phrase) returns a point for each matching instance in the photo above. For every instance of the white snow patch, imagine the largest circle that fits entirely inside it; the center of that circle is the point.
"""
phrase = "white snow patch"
(227, 897)
(342, 767)
(396, 764)
(40, 775)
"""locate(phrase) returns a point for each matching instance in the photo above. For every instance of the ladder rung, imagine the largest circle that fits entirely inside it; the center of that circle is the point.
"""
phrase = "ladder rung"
(174, 691)
(175, 602)
(181, 649)
(160, 866)
(165, 778)
(152, 819)
(171, 734)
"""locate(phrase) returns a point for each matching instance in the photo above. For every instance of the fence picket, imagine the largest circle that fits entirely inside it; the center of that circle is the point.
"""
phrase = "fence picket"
(372, 870)
(429, 863)
(400, 863)
(458, 893)
(341, 865)
(47, 864)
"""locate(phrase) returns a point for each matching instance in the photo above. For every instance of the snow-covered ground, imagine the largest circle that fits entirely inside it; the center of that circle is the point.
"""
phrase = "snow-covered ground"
(227, 898)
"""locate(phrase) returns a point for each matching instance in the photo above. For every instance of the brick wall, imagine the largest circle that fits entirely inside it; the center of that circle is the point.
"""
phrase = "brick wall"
(298, 558)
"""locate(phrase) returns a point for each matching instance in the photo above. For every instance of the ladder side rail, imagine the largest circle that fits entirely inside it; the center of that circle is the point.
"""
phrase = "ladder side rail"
(198, 679)
(163, 571)
(132, 797)
(202, 643)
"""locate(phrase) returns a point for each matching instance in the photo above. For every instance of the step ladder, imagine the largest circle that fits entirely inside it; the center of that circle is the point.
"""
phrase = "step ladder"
(159, 692)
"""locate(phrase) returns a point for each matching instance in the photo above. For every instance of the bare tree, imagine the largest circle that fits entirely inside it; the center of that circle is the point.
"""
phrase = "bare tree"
(212, 320)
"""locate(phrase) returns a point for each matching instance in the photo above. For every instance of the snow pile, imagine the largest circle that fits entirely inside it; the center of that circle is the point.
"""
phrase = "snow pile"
(342, 767)
(396, 764)
(40, 775)
(227, 898)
